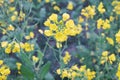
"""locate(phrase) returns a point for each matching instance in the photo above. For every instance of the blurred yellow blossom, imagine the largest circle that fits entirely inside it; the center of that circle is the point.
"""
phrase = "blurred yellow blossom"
(67, 57)
(101, 8)
(110, 41)
(60, 37)
(47, 1)
(70, 5)
(4, 44)
(117, 35)
(57, 8)
(35, 59)
(88, 11)
(112, 58)
(53, 17)
(1, 62)
(10, 27)
(65, 16)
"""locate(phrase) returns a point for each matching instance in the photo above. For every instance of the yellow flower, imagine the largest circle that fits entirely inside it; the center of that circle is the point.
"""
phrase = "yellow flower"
(48, 32)
(105, 53)
(101, 8)
(11, 9)
(11, 1)
(16, 48)
(112, 58)
(58, 71)
(1, 62)
(22, 45)
(74, 74)
(64, 73)
(35, 59)
(4, 31)
(53, 17)
(47, 1)
(116, 5)
(13, 18)
(90, 74)
(75, 67)
(60, 37)
(31, 35)
(118, 71)
(15, 13)
(70, 5)
(106, 24)
(99, 23)
(110, 41)
(88, 12)
(28, 47)
(83, 68)
(10, 28)
(78, 29)
(81, 19)
(56, 8)
(8, 50)
(21, 16)
(65, 16)
(53, 27)
(47, 22)
(58, 45)
(111, 18)
(118, 37)
(27, 37)
(4, 44)
(70, 23)
(118, 75)
(4, 71)
(67, 57)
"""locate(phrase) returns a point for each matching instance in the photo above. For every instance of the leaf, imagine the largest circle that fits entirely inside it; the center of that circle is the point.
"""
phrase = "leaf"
(42, 13)
(49, 76)
(10, 62)
(25, 59)
(44, 70)
(40, 54)
(27, 72)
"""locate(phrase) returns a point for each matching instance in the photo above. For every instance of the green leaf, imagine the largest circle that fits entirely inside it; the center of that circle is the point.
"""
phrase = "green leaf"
(49, 76)
(44, 70)
(40, 54)
(10, 62)
(25, 59)
(27, 73)
(42, 13)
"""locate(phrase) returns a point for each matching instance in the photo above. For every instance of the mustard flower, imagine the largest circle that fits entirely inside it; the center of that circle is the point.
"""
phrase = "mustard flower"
(101, 8)
(70, 5)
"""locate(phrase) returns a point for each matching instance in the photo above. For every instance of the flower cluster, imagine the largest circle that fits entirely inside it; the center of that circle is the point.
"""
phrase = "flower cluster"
(67, 57)
(61, 29)
(74, 72)
(116, 5)
(118, 71)
(104, 24)
(15, 47)
(88, 12)
(4, 70)
(118, 37)
(101, 8)
(105, 58)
